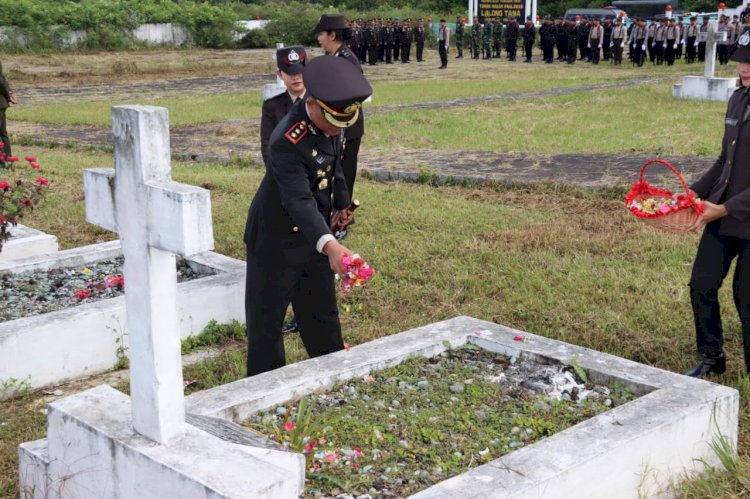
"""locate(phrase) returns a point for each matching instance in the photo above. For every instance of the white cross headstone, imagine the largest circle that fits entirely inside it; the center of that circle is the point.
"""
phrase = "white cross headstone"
(712, 36)
(156, 218)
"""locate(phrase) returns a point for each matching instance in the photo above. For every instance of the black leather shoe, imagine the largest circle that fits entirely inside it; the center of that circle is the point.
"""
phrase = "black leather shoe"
(290, 327)
(709, 365)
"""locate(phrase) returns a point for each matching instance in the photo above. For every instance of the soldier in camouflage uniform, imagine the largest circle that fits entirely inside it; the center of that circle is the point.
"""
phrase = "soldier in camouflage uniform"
(476, 39)
(486, 39)
(497, 35)
(459, 37)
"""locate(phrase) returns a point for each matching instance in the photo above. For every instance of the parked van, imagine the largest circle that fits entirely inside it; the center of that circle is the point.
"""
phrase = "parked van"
(601, 14)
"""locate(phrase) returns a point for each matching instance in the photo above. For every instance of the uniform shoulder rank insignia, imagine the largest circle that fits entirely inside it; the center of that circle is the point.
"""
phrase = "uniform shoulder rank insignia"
(297, 131)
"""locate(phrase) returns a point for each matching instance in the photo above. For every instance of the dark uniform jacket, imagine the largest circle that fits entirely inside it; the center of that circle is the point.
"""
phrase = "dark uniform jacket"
(274, 109)
(293, 206)
(728, 180)
(357, 130)
(4, 90)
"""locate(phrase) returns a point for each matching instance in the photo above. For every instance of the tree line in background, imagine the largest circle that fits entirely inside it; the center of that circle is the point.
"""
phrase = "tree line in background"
(44, 24)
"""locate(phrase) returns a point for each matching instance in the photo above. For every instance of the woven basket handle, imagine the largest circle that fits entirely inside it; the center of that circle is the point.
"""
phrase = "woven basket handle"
(674, 170)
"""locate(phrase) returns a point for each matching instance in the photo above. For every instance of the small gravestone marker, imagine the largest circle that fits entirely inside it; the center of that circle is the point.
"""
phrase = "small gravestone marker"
(156, 218)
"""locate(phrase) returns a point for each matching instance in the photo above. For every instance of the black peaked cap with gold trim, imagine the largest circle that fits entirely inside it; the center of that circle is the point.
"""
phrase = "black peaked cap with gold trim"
(330, 22)
(291, 60)
(338, 86)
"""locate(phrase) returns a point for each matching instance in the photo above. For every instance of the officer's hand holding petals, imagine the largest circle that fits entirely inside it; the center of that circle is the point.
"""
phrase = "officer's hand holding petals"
(335, 252)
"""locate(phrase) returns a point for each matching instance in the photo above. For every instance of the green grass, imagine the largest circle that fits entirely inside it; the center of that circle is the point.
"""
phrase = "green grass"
(644, 119)
(182, 110)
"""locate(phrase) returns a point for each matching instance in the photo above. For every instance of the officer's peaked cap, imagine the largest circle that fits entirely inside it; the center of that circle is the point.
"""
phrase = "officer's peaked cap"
(330, 22)
(338, 86)
(740, 50)
(291, 60)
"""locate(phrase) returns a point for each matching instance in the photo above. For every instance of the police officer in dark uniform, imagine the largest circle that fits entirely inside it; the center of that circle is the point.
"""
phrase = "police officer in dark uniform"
(330, 27)
(419, 36)
(511, 37)
(291, 253)
(290, 62)
(725, 189)
(371, 40)
(529, 35)
(388, 41)
(405, 38)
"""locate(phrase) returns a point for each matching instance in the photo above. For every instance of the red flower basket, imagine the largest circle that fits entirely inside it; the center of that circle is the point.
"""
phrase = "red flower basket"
(661, 209)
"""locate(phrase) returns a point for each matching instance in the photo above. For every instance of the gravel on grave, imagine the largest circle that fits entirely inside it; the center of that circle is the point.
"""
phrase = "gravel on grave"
(400, 430)
(39, 292)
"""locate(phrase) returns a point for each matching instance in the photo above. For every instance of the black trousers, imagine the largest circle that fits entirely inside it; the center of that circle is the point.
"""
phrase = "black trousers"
(349, 164)
(527, 47)
(701, 51)
(670, 52)
(617, 51)
(405, 50)
(510, 47)
(690, 50)
(723, 54)
(420, 51)
(4, 134)
(443, 53)
(595, 53)
(711, 266)
(270, 286)
(396, 50)
(606, 49)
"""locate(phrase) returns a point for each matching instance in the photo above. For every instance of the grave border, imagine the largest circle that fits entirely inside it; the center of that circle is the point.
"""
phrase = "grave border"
(28, 345)
(640, 447)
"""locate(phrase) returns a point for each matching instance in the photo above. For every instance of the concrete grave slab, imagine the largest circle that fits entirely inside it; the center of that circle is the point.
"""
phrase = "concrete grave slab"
(81, 341)
(26, 242)
(640, 447)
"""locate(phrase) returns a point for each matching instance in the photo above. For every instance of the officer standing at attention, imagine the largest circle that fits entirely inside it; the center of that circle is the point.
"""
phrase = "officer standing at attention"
(572, 37)
(529, 35)
(405, 37)
(511, 38)
(486, 39)
(497, 36)
(419, 35)
(725, 189)
(459, 37)
(619, 35)
(596, 35)
(331, 32)
(291, 253)
(607, 43)
(476, 35)
(290, 62)
(6, 99)
(691, 34)
(371, 41)
(443, 39)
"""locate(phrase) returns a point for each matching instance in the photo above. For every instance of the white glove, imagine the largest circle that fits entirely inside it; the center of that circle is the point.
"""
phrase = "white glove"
(643, 47)
(683, 43)
(675, 46)
(611, 44)
(653, 44)
(695, 44)
(622, 44)
(589, 45)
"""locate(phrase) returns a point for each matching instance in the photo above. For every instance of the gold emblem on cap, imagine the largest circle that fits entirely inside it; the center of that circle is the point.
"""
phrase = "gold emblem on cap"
(295, 229)
(323, 184)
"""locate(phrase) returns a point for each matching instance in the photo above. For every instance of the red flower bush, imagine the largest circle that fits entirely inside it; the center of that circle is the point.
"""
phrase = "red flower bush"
(19, 193)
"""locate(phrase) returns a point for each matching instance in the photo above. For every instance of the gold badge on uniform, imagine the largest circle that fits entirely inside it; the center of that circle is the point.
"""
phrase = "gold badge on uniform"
(320, 173)
(314, 153)
(323, 184)
(328, 168)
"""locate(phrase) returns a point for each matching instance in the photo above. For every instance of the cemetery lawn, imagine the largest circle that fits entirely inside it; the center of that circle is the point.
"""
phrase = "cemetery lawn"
(567, 263)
